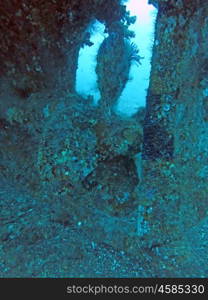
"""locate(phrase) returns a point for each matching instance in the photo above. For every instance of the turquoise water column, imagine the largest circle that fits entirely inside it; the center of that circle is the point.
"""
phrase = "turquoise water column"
(134, 94)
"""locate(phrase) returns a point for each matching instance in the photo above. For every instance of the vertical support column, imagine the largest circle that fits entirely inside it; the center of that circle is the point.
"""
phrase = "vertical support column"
(173, 194)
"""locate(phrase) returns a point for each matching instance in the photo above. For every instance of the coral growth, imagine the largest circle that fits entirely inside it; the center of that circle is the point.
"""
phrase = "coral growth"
(114, 60)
